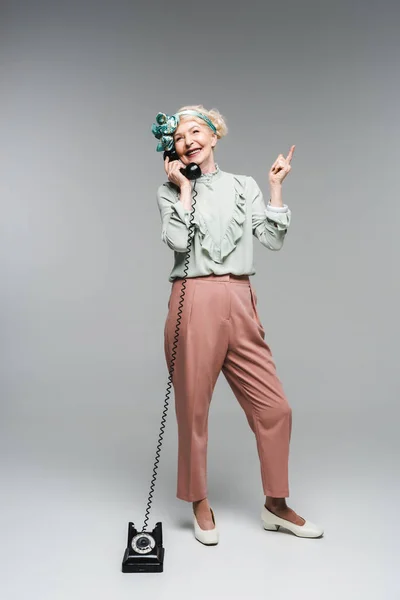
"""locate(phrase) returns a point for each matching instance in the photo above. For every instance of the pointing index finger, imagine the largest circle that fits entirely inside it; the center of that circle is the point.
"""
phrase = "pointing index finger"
(291, 152)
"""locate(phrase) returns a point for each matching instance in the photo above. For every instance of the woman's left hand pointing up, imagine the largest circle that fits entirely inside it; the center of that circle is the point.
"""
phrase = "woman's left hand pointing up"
(280, 168)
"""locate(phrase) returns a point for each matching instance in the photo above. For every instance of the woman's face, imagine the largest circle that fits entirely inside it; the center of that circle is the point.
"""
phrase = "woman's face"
(194, 142)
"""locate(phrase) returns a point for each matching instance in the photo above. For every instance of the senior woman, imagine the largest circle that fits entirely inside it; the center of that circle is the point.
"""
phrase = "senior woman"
(220, 328)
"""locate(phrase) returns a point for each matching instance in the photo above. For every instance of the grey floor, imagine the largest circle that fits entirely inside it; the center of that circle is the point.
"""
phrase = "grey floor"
(71, 484)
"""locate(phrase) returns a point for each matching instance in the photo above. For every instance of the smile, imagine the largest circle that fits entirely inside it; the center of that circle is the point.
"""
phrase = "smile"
(193, 152)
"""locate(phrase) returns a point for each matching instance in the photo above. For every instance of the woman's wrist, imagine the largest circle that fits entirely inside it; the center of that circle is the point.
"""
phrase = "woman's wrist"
(276, 195)
(185, 185)
(186, 195)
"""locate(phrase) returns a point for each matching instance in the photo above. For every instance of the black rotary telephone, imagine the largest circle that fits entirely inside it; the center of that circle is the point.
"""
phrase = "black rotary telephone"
(145, 552)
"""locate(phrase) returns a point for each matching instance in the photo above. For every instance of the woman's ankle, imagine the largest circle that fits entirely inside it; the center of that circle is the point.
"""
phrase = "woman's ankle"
(275, 502)
(197, 502)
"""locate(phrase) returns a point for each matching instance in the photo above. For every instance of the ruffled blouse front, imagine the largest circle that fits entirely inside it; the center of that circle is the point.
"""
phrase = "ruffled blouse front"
(219, 248)
(228, 210)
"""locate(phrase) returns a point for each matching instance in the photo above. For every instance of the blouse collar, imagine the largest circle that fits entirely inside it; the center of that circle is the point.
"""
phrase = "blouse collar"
(208, 178)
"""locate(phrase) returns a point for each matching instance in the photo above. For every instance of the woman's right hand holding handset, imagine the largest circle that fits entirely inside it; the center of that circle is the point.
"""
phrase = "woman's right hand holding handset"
(172, 169)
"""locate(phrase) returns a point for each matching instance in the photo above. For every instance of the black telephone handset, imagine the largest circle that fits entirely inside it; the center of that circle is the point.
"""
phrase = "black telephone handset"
(192, 171)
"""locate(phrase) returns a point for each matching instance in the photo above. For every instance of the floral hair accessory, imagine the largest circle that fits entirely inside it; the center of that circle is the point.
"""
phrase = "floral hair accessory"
(166, 125)
(163, 129)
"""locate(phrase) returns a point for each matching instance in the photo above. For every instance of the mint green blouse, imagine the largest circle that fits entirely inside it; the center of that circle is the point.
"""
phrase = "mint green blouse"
(229, 211)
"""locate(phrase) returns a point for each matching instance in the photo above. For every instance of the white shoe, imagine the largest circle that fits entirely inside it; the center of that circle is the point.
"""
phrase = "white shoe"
(209, 537)
(272, 522)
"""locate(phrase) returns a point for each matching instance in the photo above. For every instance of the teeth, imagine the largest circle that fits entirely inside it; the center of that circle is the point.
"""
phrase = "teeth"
(193, 152)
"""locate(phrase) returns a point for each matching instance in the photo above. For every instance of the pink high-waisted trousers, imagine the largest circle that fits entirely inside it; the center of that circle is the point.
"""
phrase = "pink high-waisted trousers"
(220, 329)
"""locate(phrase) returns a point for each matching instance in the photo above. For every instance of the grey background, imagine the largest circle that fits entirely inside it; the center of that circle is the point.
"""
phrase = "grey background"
(84, 291)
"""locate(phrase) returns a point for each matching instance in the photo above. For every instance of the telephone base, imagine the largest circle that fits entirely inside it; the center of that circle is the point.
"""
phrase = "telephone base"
(144, 552)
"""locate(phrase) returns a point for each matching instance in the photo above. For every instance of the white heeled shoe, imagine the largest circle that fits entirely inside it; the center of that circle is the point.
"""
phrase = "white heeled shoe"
(272, 522)
(209, 537)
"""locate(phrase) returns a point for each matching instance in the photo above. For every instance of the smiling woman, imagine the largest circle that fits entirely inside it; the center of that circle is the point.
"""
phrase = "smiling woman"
(220, 328)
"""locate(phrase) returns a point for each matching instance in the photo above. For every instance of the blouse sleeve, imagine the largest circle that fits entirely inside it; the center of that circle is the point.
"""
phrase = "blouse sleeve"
(269, 223)
(174, 217)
